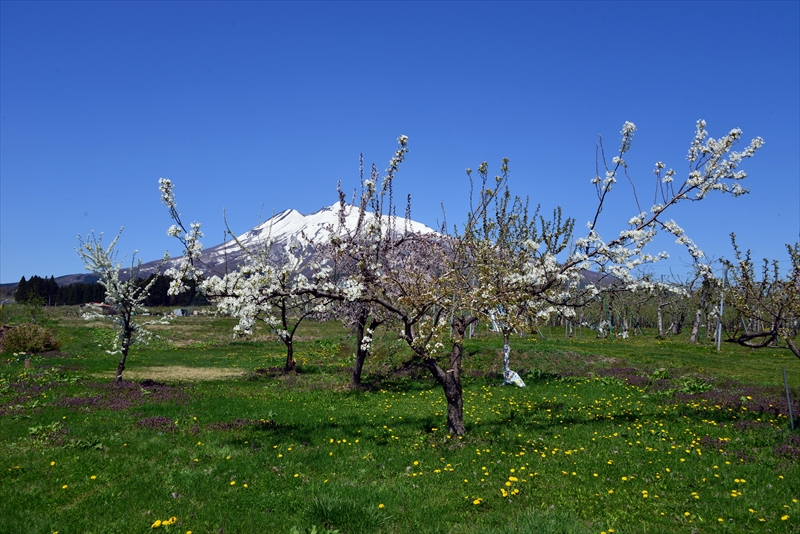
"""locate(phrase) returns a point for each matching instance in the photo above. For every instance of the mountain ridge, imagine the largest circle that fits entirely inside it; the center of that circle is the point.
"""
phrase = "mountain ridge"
(282, 228)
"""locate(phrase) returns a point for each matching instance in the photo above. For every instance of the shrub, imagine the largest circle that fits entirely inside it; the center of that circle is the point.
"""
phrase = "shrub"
(30, 338)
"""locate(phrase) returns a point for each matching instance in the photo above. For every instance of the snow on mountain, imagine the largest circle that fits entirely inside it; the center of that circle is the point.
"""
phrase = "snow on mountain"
(281, 229)
(291, 225)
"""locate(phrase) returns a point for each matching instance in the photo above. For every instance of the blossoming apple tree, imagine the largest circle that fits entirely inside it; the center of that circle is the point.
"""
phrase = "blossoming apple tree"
(125, 297)
(270, 285)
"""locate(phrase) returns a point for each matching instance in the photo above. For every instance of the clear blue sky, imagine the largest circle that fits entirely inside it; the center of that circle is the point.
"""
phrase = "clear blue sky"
(263, 106)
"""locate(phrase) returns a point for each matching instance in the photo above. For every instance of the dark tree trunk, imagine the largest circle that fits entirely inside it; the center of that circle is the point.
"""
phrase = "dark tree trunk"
(677, 322)
(361, 352)
(792, 347)
(767, 337)
(287, 336)
(121, 367)
(290, 363)
(127, 335)
(450, 380)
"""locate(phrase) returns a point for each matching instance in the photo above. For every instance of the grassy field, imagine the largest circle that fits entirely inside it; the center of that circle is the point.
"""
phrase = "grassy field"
(622, 436)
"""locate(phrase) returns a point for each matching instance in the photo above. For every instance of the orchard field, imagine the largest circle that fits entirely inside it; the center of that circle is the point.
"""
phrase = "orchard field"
(207, 435)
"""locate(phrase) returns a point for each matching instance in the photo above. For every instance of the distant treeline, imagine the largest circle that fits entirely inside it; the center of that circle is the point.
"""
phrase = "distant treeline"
(45, 291)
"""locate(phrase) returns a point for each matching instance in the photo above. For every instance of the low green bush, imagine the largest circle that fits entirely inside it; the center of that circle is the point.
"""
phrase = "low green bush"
(30, 338)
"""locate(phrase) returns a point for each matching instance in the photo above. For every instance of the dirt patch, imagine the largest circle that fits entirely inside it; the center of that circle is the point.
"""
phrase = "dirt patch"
(178, 373)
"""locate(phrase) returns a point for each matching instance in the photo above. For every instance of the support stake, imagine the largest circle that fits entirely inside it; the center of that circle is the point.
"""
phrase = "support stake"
(788, 398)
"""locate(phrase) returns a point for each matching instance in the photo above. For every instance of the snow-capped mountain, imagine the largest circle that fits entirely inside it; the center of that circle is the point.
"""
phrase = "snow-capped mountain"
(284, 228)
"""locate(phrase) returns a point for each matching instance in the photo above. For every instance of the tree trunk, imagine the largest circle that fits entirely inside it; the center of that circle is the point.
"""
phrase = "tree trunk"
(450, 380)
(792, 347)
(121, 367)
(127, 335)
(698, 316)
(361, 355)
(660, 316)
(361, 352)
(290, 363)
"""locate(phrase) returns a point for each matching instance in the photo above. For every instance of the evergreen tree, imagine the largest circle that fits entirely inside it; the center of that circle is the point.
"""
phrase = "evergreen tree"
(22, 290)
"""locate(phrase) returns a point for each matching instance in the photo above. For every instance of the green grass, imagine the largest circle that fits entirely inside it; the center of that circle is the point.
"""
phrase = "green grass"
(600, 440)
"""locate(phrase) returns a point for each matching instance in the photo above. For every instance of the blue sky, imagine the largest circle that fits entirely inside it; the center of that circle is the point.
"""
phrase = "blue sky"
(259, 107)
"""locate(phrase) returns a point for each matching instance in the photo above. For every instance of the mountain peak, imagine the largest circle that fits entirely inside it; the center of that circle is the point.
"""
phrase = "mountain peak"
(285, 227)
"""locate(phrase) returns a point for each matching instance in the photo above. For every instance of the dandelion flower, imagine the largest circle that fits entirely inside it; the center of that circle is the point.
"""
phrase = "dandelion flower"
(156, 524)
(233, 482)
(381, 505)
(784, 518)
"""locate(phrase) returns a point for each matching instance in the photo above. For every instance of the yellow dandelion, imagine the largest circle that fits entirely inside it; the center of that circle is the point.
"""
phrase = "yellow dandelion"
(233, 482)
(381, 505)
(784, 518)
